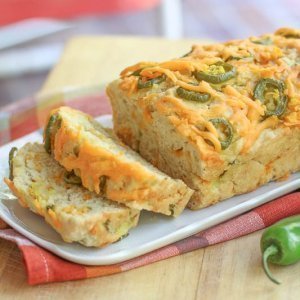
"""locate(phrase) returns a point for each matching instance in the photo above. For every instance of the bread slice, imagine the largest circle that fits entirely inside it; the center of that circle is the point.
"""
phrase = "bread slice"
(108, 167)
(77, 214)
(221, 136)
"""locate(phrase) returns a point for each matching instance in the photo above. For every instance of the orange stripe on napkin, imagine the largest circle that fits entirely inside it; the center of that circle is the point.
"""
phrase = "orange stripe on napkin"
(42, 266)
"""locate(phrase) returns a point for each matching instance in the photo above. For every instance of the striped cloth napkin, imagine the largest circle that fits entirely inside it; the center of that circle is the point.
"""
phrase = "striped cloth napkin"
(42, 266)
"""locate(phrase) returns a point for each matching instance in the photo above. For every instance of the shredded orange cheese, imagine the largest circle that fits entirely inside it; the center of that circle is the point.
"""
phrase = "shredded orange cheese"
(269, 56)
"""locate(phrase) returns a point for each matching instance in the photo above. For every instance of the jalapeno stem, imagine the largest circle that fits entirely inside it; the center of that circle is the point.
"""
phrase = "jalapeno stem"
(271, 250)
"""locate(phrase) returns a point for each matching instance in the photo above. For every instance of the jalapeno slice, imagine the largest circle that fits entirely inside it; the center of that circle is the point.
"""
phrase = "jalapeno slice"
(217, 73)
(192, 96)
(136, 73)
(271, 93)
(292, 36)
(265, 41)
(49, 129)
(233, 58)
(10, 162)
(142, 84)
(225, 131)
(246, 58)
(70, 177)
(288, 33)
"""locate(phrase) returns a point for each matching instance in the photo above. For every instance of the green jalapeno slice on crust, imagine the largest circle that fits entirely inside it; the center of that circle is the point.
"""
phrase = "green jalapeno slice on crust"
(51, 206)
(264, 41)
(217, 73)
(233, 58)
(52, 123)
(271, 93)
(246, 58)
(10, 162)
(292, 36)
(136, 73)
(225, 131)
(192, 95)
(289, 34)
(70, 177)
(142, 83)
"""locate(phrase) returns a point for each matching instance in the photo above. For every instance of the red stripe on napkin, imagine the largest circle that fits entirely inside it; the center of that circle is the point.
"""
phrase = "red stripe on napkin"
(289, 205)
(43, 267)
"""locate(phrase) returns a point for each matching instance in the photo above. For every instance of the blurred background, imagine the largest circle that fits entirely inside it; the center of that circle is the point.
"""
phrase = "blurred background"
(33, 32)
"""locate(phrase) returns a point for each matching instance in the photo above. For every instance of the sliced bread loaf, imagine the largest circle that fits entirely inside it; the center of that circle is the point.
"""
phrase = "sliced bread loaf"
(224, 118)
(77, 214)
(108, 167)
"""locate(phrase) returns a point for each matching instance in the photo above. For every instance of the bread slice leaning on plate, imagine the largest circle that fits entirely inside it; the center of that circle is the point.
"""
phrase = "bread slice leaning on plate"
(77, 214)
(108, 167)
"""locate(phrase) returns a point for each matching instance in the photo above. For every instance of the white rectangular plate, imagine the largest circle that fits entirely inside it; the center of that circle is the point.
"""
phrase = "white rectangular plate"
(153, 231)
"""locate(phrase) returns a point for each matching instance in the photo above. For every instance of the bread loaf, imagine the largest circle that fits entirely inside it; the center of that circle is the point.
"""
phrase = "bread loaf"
(224, 118)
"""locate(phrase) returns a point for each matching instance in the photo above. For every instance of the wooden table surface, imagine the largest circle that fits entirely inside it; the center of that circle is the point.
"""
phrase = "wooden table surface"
(230, 270)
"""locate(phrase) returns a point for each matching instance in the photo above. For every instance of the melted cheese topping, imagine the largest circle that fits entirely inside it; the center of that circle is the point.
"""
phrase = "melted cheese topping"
(93, 161)
(270, 56)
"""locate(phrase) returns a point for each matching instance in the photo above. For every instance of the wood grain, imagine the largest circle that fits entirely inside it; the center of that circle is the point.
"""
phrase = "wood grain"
(230, 270)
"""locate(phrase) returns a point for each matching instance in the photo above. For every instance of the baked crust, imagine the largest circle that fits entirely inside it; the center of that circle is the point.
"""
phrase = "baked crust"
(77, 214)
(177, 135)
(80, 144)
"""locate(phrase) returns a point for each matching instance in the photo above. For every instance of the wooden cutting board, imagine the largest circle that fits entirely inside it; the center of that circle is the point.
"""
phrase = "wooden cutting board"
(93, 61)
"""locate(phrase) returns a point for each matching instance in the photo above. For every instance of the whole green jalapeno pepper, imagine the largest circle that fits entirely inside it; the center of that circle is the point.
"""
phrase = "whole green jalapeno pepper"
(271, 93)
(191, 95)
(225, 131)
(280, 244)
(142, 84)
(10, 162)
(217, 73)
